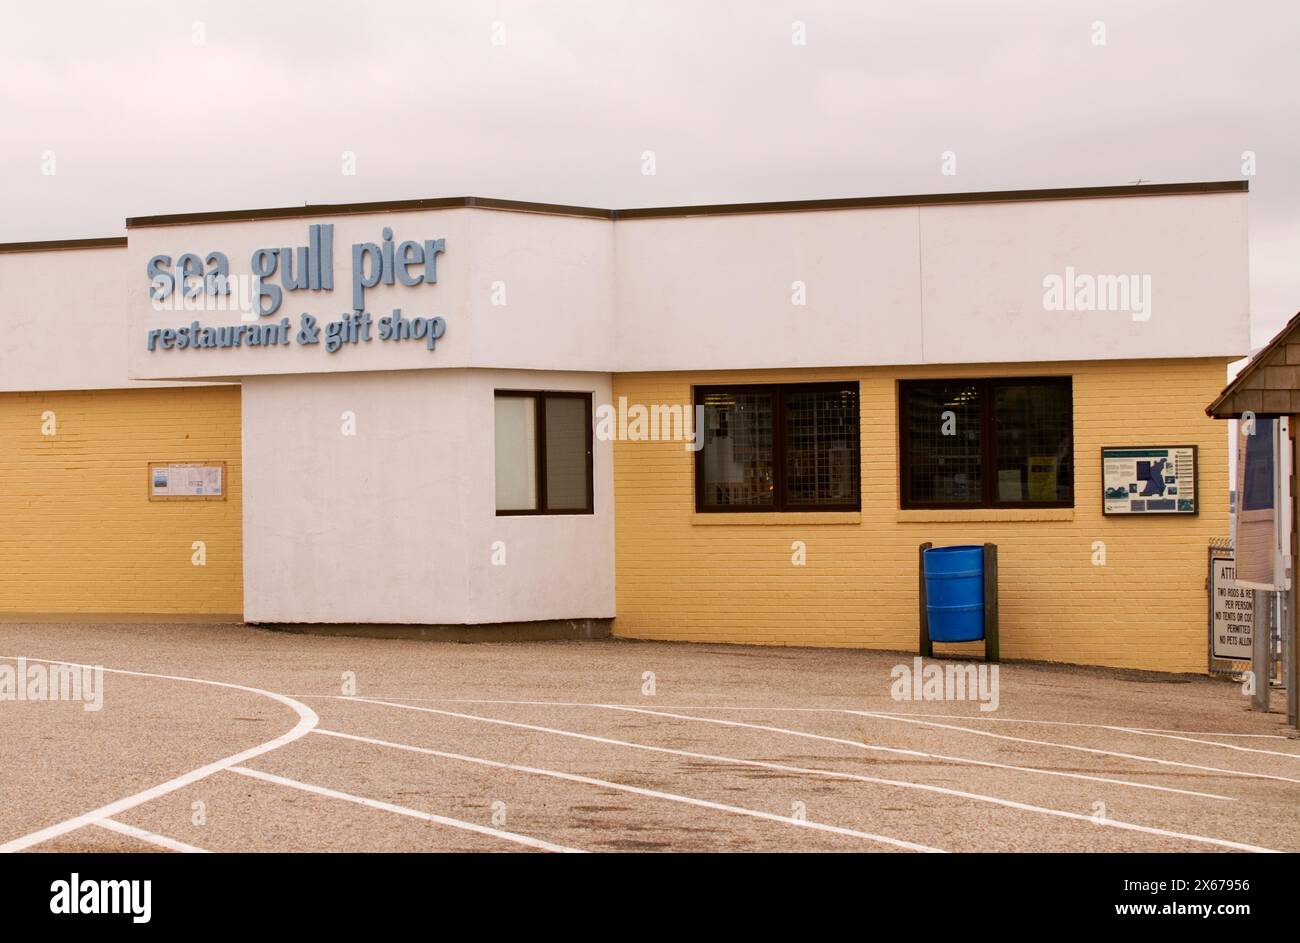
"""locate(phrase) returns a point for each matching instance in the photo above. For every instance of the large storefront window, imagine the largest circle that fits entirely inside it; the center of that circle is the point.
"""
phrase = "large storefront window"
(543, 453)
(778, 448)
(986, 443)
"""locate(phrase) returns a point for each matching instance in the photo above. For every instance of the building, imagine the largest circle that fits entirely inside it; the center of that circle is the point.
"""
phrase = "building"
(468, 412)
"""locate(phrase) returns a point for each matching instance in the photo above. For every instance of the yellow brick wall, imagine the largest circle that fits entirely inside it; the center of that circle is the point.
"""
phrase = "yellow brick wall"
(679, 578)
(78, 533)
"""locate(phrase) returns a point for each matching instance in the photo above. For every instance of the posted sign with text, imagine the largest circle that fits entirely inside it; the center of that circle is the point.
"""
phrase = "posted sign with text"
(1232, 610)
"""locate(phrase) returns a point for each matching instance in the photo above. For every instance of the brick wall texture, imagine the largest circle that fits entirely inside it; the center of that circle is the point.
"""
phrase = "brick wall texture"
(682, 577)
(78, 533)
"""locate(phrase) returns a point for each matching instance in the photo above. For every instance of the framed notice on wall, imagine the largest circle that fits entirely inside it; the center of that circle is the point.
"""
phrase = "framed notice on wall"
(187, 481)
(1148, 479)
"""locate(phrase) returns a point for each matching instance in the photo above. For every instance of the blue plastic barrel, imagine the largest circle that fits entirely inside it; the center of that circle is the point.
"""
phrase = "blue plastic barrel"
(954, 593)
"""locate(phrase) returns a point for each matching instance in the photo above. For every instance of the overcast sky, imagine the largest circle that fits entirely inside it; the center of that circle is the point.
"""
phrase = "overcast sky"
(184, 106)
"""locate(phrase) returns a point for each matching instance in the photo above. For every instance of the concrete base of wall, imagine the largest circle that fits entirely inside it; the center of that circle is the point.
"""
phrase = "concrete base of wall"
(539, 631)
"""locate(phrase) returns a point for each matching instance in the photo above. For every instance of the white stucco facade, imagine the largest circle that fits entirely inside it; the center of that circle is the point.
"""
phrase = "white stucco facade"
(892, 285)
(396, 522)
(517, 290)
(64, 320)
(958, 283)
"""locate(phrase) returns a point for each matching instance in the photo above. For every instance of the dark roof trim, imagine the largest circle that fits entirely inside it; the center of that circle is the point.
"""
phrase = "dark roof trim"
(937, 199)
(352, 209)
(717, 209)
(55, 245)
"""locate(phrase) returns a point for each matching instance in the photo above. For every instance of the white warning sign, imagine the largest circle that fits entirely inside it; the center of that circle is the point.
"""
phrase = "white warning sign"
(1232, 610)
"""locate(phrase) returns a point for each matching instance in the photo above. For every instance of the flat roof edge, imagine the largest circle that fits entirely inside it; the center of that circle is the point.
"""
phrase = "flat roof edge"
(58, 245)
(715, 209)
(353, 209)
(941, 199)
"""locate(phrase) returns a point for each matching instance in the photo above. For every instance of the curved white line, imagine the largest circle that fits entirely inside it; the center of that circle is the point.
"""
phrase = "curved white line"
(307, 721)
(831, 774)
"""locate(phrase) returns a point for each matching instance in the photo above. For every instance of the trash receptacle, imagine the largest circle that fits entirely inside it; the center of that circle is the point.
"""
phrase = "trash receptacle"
(954, 593)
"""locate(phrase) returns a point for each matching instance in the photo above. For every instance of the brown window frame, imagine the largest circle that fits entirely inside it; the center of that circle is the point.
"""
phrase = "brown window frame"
(988, 444)
(779, 505)
(539, 398)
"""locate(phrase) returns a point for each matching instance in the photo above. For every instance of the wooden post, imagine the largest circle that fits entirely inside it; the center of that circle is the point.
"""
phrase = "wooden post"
(992, 649)
(926, 646)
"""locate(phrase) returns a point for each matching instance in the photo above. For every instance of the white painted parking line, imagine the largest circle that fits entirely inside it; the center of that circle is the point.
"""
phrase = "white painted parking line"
(917, 753)
(152, 838)
(1081, 749)
(829, 774)
(307, 719)
(1154, 731)
(1212, 743)
(639, 791)
(402, 810)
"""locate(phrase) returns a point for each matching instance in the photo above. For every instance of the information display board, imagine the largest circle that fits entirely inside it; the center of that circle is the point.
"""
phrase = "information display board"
(189, 481)
(1153, 479)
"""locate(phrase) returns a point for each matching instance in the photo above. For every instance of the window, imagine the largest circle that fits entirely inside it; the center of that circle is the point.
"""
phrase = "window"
(543, 453)
(778, 448)
(986, 443)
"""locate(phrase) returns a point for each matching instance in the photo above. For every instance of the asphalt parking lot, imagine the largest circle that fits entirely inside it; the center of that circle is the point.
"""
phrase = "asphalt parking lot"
(233, 738)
